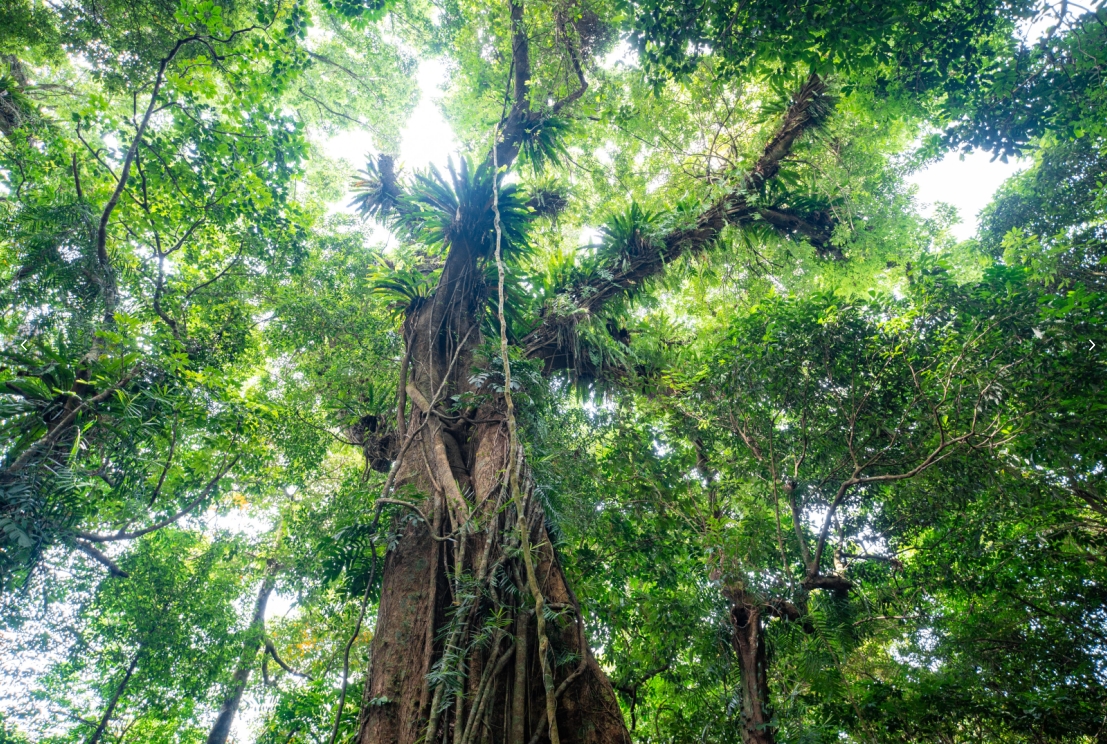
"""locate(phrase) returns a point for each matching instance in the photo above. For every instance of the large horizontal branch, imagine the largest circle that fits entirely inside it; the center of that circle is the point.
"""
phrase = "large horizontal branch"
(818, 228)
(552, 343)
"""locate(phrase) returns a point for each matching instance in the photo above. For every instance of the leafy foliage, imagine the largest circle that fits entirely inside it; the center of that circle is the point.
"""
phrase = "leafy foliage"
(887, 443)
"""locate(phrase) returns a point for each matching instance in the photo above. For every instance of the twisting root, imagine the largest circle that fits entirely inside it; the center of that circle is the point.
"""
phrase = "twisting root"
(496, 664)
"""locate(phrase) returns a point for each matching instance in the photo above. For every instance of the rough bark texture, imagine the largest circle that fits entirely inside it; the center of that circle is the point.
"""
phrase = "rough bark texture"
(749, 644)
(427, 615)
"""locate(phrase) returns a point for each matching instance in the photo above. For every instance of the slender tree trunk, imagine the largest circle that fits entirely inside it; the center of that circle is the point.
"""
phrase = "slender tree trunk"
(106, 718)
(749, 643)
(430, 610)
(255, 637)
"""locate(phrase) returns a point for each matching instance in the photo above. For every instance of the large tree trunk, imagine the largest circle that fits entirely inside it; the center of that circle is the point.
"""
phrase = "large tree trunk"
(254, 640)
(746, 617)
(459, 564)
(429, 679)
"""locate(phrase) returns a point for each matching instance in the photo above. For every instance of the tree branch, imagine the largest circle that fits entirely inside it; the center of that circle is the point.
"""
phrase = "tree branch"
(277, 658)
(513, 127)
(1057, 616)
(91, 537)
(65, 421)
(349, 644)
(578, 68)
(107, 276)
(550, 342)
(234, 262)
(817, 228)
(96, 555)
(168, 462)
(931, 459)
(347, 70)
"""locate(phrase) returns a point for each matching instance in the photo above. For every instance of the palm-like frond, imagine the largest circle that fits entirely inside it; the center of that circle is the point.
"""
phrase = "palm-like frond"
(630, 233)
(441, 211)
(543, 141)
(782, 196)
(521, 301)
(548, 198)
(378, 190)
(407, 287)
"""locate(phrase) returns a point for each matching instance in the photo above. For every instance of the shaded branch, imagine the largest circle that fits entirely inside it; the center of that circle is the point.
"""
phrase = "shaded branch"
(106, 717)
(52, 436)
(327, 60)
(578, 68)
(168, 462)
(234, 262)
(817, 228)
(1057, 616)
(353, 638)
(332, 112)
(939, 453)
(92, 552)
(277, 658)
(107, 276)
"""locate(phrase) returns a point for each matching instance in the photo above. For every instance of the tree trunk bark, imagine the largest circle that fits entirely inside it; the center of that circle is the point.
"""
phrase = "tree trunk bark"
(445, 581)
(106, 718)
(749, 643)
(255, 637)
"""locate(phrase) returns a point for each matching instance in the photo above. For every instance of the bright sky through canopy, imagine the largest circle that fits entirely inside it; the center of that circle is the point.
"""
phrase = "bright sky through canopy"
(967, 182)
(427, 138)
